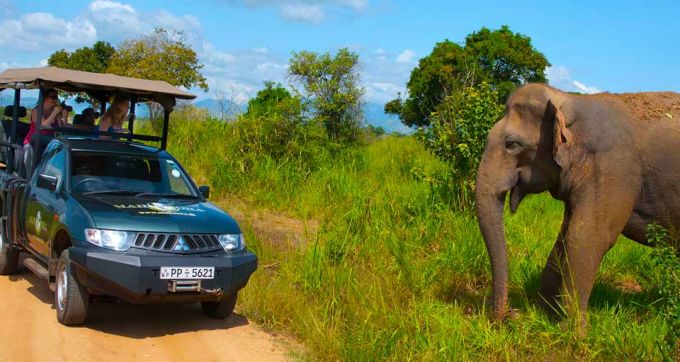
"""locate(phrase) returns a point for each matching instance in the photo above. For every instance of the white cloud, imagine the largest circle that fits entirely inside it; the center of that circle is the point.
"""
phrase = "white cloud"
(312, 14)
(383, 77)
(101, 20)
(239, 74)
(186, 23)
(6, 8)
(116, 21)
(406, 56)
(99, 5)
(215, 56)
(357, 5)
(308, 11)
(560, 77)
(232, 90)
(383, 92)
(40, 31)
(585, 89)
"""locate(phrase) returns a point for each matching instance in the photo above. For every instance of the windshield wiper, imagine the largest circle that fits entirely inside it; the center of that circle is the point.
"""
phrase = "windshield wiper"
(156, 194)
(111, 192)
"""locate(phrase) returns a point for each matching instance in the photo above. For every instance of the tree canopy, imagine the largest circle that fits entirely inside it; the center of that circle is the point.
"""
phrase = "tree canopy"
(273, 99)
(501, 58)
(90, 59)
(332, 83)
(163, 55)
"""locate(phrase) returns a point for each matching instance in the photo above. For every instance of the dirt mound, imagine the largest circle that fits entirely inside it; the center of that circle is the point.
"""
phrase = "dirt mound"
(649, 105)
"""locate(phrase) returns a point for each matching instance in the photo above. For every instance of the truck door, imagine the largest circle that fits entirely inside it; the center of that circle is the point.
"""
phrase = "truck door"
(45, 186)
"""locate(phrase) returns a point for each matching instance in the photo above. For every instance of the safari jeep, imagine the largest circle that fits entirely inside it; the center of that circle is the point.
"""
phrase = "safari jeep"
(103, 216)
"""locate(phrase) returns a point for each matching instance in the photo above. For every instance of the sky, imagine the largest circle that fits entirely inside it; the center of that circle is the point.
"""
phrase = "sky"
(593, 46)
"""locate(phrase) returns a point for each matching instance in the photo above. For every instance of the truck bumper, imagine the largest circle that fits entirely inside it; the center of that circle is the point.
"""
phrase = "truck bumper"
(136, 278)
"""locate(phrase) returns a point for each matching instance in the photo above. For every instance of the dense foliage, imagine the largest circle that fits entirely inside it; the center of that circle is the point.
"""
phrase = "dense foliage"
(665, 257)
(332, 84)
(93, 59)
(162, 55)
(457, 135)
(501, 58)
(274, 99)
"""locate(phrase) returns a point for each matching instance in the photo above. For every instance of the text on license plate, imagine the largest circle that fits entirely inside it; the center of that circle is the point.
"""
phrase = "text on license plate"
(192, 272)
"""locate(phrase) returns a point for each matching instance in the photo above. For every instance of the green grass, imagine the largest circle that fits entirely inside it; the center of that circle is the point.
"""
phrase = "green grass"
(393, 273)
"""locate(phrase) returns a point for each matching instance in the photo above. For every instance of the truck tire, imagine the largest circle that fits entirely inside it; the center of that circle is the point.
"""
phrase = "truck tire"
(221, 309)
(9, 257)
(71, 298)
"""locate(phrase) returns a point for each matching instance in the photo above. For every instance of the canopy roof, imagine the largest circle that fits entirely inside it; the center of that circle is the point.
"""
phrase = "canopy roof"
(96, 84)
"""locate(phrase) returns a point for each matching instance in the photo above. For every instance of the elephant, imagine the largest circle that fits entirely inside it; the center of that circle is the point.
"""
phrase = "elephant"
(612, 159)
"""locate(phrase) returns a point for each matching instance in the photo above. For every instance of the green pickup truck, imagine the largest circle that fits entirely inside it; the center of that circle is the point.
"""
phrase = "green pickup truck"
(103, 215)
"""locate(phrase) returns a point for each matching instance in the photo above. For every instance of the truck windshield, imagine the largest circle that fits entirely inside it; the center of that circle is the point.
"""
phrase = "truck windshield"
(97, 173)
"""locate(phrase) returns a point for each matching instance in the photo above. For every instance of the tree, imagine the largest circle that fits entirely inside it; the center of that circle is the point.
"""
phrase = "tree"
(274, 99)
(437, 75)
(89, 59)
(503, 59)
(163, 55)
(93, 59)
(276, 125)
(332, 83)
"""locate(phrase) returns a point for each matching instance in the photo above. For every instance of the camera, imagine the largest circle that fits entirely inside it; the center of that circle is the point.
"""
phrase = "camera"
(63, 105)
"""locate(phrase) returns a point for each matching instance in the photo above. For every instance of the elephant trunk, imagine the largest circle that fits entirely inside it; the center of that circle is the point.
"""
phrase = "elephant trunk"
(491, 187)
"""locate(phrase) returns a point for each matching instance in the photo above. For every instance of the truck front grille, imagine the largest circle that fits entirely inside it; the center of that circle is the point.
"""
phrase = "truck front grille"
(187, 243)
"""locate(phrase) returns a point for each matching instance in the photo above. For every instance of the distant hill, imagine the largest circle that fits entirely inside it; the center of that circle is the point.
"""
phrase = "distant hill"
(373, 112)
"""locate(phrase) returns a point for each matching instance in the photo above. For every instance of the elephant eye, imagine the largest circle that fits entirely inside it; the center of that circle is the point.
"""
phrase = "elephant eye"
(513, 144)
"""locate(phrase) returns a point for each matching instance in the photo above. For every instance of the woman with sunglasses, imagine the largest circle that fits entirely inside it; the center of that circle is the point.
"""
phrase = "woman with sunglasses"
(53, 116)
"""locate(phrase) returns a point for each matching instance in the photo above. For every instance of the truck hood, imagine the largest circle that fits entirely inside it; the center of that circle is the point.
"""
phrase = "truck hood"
(157, 215)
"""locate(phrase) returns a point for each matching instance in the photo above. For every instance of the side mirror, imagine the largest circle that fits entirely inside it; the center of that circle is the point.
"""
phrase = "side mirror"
(48, 182)
(205, 191)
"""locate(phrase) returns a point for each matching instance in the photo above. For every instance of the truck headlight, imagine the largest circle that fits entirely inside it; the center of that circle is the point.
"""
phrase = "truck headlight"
(232, 242)
(110, 239)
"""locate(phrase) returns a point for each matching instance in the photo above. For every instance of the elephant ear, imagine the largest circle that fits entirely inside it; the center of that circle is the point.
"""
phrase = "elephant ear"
(563, 138)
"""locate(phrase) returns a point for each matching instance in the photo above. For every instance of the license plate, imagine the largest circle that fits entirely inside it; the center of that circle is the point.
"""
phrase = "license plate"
(191, 272)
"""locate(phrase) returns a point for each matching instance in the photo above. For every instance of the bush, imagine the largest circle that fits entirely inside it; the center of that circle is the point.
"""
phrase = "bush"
(457, 135)
(667, 283)
(280, 136)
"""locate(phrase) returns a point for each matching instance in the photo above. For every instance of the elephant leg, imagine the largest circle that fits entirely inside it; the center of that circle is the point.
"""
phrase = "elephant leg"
(551, 278)
(592, 228)
(580, 262)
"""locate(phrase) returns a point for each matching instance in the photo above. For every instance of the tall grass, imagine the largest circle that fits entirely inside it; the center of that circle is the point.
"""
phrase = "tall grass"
(393, 273)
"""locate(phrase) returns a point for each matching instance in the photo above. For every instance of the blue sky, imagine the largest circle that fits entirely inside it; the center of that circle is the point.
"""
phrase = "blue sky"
(617, 46)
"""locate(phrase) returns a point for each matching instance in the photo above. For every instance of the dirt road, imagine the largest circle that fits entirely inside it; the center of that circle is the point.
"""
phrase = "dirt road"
(118, 332)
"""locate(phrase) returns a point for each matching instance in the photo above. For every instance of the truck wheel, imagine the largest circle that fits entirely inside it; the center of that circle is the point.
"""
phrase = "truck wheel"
(71, 298)
(9, 257)
(221, 309)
